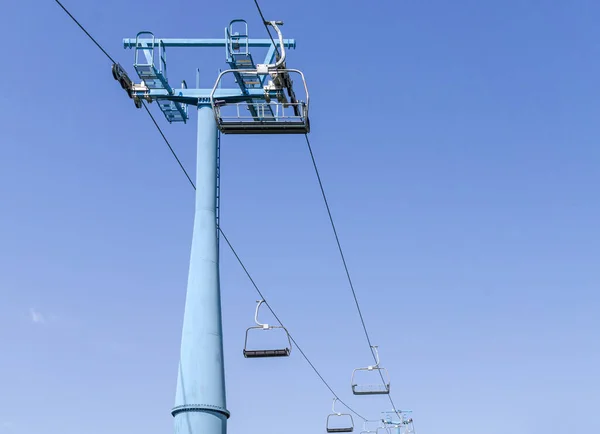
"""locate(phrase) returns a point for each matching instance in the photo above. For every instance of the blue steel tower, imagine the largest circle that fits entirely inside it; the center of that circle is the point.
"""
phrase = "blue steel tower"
(263, 102)
(401, 421)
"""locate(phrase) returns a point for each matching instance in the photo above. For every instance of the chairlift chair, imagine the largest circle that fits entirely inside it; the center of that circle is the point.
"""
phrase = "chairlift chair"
(380, 388)
(339, 422)
(270, 113)
(281, 352)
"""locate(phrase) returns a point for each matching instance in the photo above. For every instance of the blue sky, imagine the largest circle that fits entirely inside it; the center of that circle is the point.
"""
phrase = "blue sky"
(458, 147)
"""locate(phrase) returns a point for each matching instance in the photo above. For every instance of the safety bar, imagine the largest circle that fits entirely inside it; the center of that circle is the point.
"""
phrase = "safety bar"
(254, 71)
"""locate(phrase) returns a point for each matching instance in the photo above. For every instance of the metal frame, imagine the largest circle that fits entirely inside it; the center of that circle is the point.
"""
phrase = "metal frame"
(372, 389)
(401, 414)
(199, 410)
(404, 423)
(335, 414)
(154, 77)
(206, 43)
(283, 352)
(233, 37)
(272, 121)
(256, 94)
(399, 428)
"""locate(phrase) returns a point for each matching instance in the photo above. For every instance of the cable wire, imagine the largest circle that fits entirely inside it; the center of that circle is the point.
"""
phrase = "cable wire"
(289, 334)
(86, 32)
(143, 102)
(219, 228)
(339, 245)
(169, 145)
(257, 288)
(254, 283)
(266, 26)
(337, 239)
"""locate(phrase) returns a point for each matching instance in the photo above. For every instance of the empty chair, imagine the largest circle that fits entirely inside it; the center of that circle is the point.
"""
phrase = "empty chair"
(283, 351)
(268, 108)
(372, 380)
(339, 422)
(268, 103)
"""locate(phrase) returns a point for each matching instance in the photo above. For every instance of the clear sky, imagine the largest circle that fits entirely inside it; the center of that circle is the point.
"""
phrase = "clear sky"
(458, 145)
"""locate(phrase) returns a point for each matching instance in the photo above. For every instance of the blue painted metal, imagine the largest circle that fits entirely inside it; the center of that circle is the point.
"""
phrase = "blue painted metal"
(191, 96)
(200, 405)
(200, 400)
(205, 43)
(400, 414)
(239, 58)
(262, 87)
(236, 42)
(400, 421)
(218, 200)
(155, 78)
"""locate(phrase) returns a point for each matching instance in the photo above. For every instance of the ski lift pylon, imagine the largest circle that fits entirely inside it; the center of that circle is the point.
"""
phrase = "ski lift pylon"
(379, 388)
(402, 421)
(282, 352)
(339, 422)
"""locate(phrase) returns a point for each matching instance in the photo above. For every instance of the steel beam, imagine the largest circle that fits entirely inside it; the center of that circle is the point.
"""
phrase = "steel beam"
(200, 406)
(192, 96)
(203, 43)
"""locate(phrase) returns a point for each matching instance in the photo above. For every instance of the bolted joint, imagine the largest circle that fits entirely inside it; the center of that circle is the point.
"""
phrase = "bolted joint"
(120, 75)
